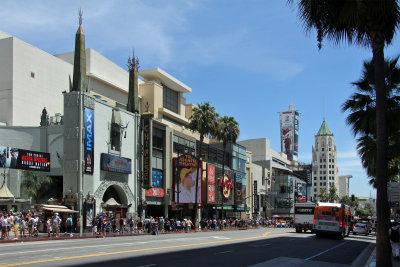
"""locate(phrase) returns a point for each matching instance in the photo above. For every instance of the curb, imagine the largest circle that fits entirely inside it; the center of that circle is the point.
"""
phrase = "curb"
(365, 256)
(35, 239)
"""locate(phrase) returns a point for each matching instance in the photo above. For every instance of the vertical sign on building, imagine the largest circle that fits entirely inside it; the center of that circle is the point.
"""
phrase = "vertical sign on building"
(147, 153)
(238, 187)
(89, 140)
(256, 199)
(296, 136)
(289, 127)
(210, 183)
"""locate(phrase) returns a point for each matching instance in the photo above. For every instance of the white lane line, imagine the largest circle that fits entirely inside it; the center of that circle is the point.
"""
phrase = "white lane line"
(256, 246)
(265, 245)
(223, 252)
(219, 237)
(316, 255)
(99, 245)
(148, 265)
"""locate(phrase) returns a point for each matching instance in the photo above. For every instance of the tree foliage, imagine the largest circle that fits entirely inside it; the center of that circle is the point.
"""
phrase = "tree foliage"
(35, 186)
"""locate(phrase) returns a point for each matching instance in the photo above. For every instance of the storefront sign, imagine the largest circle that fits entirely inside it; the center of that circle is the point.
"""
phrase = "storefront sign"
(147, 125)
(155, 192)
(15, 158)
(114, 163)
(238, 187)
(256, 198)
(227, 185)
(89, 140)
(211, 174)
(186, 173)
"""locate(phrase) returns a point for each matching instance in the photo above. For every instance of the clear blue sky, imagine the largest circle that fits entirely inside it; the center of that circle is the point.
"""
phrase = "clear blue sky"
(250, 59)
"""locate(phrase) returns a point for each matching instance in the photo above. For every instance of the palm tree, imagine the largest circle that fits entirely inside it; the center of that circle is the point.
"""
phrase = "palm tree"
(362, 118)
(323, 195)
(372, 24)
(227, 131)
(332, 195)
(203, 121)
(35, 186)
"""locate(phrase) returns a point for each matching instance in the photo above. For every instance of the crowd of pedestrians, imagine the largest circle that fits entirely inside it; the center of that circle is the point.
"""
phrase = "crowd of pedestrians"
(26, 224)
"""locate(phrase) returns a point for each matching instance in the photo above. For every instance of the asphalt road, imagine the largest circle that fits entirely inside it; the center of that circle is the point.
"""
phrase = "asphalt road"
(222, 248)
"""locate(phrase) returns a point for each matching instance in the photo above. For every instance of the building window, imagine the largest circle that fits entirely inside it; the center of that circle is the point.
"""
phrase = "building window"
(183, 145)
(315, 189)
(32, 74)
(115, 137)
(324, 184)
(322, 148)
(158, 150)
(320, 183)
(170, 99)
(320, 160)
(315, 184)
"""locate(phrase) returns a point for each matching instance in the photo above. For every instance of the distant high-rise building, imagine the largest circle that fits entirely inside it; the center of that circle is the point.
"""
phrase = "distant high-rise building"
(324, 161)
(289, 121)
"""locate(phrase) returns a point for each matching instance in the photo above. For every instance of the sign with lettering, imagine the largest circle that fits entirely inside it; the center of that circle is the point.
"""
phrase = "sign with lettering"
(227, 185)
(187, 172)
(211, 183)
(15, 158)
(89, 140)
(114, 163)
(147, 134)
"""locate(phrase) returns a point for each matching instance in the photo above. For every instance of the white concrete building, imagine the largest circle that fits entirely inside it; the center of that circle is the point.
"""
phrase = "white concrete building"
(324, 161)
(344, 184)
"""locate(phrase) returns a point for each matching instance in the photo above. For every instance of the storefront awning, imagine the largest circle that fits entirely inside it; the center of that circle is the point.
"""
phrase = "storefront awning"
(54, 208)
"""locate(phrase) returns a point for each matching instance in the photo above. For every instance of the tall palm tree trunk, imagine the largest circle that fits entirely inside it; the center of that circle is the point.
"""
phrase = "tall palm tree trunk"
(197, 180)
(223, 177)
(383, 251)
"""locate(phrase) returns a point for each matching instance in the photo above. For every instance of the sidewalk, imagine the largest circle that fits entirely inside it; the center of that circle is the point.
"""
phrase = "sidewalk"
(372, 261)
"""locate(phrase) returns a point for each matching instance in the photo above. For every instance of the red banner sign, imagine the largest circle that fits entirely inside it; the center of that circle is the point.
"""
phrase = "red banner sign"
(155, 192)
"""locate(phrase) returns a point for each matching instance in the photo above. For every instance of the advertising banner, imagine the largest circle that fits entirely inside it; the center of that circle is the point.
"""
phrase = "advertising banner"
(186, 171)
(147, 134)
(287, 133)
(89, 140)
(211, 183)
(256, 198)
(15, 158)
(89, 214)
(296, 136)
(114, 163)
(157, 184)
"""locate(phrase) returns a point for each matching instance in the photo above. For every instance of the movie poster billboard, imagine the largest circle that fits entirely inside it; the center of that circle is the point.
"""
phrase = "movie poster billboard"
(210, 183)
(296, 136)
(157, 189)
(114, 163)
(186, 171)
(16, 158)
(287, 133)
(89, 140)
(89, 214)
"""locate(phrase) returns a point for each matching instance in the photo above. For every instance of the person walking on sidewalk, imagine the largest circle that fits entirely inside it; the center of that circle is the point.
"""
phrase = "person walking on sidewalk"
(55, 224)
(394, 235)
(69, 225)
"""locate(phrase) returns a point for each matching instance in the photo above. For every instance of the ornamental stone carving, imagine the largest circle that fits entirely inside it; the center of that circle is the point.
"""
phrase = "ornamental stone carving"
(106, 184)
(88, 101)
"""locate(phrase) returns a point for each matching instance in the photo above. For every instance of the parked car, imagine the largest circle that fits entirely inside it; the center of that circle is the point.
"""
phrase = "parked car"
(360, 228)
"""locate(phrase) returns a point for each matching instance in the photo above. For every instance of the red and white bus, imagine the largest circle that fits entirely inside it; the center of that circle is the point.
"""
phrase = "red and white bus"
(332, 218)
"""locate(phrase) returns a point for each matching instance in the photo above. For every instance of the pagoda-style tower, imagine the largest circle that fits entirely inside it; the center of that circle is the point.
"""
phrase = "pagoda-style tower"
(133, 95)
(79, 79)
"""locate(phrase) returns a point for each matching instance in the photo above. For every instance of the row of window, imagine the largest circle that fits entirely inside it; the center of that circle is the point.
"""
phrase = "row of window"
(324, 160)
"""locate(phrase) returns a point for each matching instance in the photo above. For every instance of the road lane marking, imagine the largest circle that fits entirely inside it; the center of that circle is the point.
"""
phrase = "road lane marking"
(130, 251)
(148, 265)
(223, 252)
(316, 255)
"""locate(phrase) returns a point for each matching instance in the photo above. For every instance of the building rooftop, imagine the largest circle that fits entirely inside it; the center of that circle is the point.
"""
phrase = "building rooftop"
(163, 77)
(324, 130)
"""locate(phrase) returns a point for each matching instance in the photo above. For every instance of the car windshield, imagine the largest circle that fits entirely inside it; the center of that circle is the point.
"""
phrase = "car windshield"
(360, 225)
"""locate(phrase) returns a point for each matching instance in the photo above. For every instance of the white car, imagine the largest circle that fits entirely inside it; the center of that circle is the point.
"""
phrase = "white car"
(360, 228)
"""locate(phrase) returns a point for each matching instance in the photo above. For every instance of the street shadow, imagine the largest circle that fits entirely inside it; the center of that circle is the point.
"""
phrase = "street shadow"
(238, 254)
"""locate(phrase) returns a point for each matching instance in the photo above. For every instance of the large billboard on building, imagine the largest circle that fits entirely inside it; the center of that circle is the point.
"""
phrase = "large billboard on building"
(186, 172)
(289, 127)
(15, 158)
(114, 163)
(89, 140)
